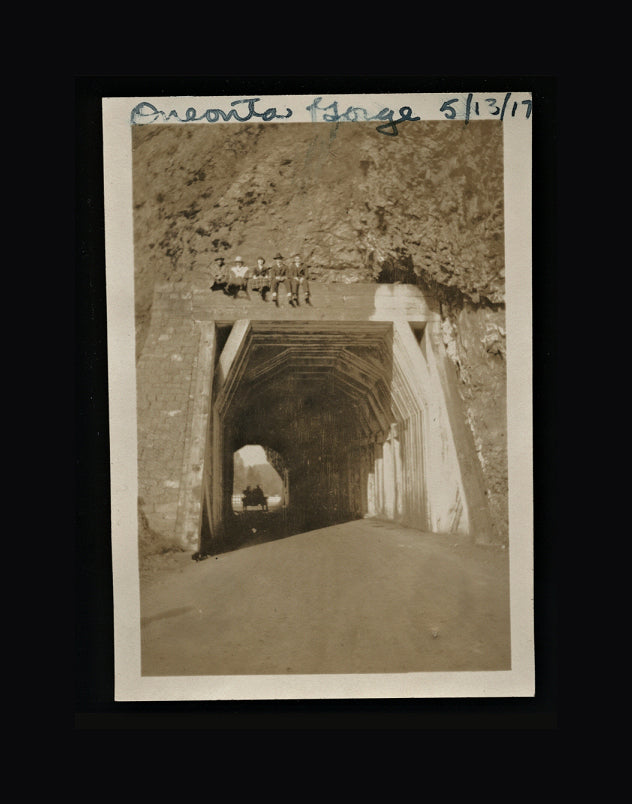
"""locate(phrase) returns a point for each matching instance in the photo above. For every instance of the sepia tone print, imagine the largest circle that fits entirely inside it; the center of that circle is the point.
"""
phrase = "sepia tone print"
(321, 398)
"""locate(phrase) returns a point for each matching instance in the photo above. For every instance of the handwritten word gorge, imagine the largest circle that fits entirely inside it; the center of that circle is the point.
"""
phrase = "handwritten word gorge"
(353, 114)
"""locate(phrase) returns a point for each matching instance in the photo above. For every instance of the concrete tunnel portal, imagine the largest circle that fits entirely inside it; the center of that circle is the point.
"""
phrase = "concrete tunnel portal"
(355, 399)
(319, 400)
(353, 412)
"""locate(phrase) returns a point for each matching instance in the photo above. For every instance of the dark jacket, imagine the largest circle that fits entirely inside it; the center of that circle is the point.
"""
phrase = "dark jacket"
(299, 272)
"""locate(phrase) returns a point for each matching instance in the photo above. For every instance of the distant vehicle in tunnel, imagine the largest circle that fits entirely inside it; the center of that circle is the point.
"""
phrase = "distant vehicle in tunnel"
(254, 498)
(274, 503)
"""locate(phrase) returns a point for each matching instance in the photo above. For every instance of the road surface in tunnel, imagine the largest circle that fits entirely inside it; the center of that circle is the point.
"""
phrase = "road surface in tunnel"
(365, 596)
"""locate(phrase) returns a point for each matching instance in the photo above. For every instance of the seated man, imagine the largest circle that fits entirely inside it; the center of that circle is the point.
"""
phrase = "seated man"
(278, 272)
(260, 281)
(262, 500)
(218, 275)
(238, 276)
(299, 278)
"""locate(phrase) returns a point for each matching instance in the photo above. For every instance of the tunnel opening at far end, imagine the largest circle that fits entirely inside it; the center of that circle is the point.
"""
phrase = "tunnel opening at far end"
(259, 480)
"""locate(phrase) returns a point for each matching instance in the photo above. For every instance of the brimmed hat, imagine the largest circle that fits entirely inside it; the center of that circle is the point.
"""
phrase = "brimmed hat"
(277, 257)
(219, 259)
(238, 259)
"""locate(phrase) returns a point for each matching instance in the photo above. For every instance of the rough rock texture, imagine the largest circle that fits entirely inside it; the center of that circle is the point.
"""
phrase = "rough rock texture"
(424, 207)
(475, 341)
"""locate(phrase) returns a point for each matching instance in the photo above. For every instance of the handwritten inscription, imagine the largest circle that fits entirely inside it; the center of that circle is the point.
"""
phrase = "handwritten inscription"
(496, 108)
(145, 112)
(353, 114)
(246, 109)
(241, 111)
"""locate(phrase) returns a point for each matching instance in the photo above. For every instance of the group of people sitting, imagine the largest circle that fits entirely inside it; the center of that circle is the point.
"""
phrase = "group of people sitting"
(263, 279)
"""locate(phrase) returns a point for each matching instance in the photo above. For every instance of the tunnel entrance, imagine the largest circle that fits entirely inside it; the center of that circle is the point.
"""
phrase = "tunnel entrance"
(319, 399)
(353, 415)
(357, 395)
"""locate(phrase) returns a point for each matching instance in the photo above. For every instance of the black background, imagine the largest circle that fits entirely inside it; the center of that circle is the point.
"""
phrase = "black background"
(93, 658)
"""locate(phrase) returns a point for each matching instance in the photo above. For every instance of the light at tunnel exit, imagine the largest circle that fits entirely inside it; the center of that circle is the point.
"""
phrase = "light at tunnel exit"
(252, 454)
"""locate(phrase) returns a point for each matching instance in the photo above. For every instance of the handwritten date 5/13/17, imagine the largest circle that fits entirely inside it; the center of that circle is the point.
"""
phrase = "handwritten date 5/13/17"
(482, 107)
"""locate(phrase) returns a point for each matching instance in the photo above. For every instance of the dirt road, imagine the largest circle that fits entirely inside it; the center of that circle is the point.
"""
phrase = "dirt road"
(362, 597)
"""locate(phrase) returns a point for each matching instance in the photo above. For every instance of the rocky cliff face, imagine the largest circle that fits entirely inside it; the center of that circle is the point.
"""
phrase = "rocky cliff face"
(424, 207)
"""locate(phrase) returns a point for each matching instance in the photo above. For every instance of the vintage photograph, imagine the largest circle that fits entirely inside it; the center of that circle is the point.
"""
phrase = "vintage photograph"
(321, 397)
(318, 413)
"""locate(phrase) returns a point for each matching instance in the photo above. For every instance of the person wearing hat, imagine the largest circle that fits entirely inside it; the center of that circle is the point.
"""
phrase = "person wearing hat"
(218, 273)
(279, 275)
(260, 281)
(238, 276)
(298, 278)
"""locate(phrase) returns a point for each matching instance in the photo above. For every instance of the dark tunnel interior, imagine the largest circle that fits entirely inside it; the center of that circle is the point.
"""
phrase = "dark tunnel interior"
(320, 404)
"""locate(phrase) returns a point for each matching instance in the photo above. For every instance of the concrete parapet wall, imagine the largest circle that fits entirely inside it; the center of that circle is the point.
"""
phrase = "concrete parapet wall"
(358, 301)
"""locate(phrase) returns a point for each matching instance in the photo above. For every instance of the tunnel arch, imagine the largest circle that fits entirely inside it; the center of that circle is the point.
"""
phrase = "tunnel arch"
(317, 395)
(356, 412)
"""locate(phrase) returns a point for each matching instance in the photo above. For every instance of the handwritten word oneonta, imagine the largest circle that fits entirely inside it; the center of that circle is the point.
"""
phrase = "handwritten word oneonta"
(146, 112)
(353, 114)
